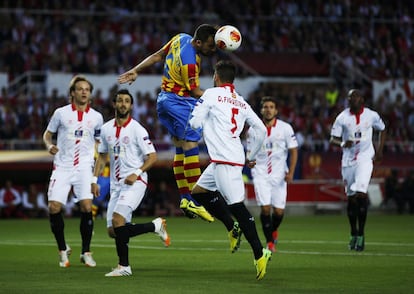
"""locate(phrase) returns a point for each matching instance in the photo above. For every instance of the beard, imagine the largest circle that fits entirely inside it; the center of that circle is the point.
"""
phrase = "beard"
(122, 115)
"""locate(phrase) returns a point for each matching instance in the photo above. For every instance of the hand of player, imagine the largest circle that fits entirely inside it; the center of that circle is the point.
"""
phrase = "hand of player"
(348, 144)
(128, 77)
(53, 149)
(95, 189)
(251, 163)
(131, 179)
(288, 178)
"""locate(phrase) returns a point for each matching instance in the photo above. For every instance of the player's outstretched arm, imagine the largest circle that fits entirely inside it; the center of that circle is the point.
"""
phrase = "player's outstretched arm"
(131, 75)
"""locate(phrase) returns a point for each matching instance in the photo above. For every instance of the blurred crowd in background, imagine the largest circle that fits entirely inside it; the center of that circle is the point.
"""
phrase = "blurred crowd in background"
(101, 37)
(110, 37)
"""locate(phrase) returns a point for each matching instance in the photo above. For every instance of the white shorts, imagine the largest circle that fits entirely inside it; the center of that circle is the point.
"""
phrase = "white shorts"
(124, 200)
(357, 177)
(63, 180)
(225, 178)
(270, 191)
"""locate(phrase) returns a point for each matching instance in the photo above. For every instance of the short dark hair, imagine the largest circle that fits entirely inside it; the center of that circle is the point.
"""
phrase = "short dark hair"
(226, 70)
(204, 31)
(268, 99)
(123, 92)
(78, 78)
(355, 92)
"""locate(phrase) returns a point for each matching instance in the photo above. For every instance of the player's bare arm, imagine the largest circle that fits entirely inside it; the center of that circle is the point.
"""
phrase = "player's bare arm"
(131, 75)
(338, 141)
(292, 164)
(99, 166)
(47, 140)
(379, 152)
(149, 162)
(197, 92)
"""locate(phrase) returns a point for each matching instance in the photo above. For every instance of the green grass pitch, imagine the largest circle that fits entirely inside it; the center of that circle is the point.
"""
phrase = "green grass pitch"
(312, 257)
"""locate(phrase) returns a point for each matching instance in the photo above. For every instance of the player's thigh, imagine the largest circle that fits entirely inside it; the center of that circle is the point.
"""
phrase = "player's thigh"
(348, 178)
(262, 190)
(59, 186)
(82, 184)
(130, 197)
(363, 174)
(207, 180)
(174, 113)
(113, 199)
(230, 183)
(279, 193)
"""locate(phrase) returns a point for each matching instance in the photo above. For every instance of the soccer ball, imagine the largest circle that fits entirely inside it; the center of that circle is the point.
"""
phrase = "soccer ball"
(228, 38)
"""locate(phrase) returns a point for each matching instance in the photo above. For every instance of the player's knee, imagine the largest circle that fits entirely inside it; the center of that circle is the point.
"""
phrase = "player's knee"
(117, 220)
(111, 232)
(361, 195)
(265, 209)
(54, 207)
(85, 205)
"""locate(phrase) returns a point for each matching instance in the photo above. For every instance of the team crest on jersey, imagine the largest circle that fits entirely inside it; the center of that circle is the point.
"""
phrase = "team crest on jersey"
(117, 150)
(125, 140)
(78, 133)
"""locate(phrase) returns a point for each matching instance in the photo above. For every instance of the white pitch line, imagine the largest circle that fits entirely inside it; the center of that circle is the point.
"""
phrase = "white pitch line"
(180, 248)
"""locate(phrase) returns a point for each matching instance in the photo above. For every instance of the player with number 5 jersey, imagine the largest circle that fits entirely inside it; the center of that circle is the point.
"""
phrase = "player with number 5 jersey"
(222, 113)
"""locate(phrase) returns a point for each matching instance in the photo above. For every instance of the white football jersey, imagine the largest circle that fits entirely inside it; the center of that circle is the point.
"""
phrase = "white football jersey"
(222, 113)
(127, 146)
(76, 135)
(271, 159)
(359, 129)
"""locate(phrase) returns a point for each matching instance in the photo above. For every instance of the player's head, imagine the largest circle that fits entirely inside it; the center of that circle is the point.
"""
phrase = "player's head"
(123, 103)
(224, 72)
(80, 88)
(268, 108)
(203, 39)
(356, 100)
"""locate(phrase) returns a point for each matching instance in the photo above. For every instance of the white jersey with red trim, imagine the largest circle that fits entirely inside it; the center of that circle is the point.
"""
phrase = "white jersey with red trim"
(127, 146)
(271, 159)
(359, 129)
(222, 113)
(76, 135)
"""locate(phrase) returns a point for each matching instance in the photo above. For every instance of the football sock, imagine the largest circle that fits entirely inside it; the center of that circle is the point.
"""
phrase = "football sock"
(121, 241)
(267, 226)
(178, 168)
(362, 214)
(214, 203)
(57, 225)
(139, 229)
(352, 211)
(248, 226)
(276, 221)
(191, 165)
(86, 230)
